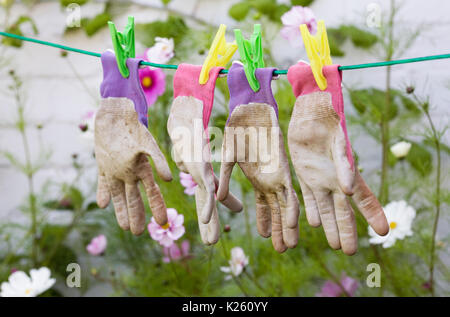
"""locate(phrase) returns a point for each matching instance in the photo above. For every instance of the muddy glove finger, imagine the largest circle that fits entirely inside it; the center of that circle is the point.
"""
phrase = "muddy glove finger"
(209, 232)
(103, 195)
(312, 211)
(117, 189)
(277, 225)
(346, 223)
(263, 215)
(369, 206)
(231, 201)
(327, 217)
(136, 209)
(154, 196)
(290, 233)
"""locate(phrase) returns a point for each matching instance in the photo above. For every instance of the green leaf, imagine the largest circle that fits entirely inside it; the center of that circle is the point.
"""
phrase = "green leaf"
(420, 159)
(264, 6)
(360, 38)
(276, 14)
(335, 38)
(303, 3)
(239, 10)
(63, 255)
(372, 102)
(92, 26)
(65, 3)
(165, 2)
(15, 29)
(173, 27)
(92, 206)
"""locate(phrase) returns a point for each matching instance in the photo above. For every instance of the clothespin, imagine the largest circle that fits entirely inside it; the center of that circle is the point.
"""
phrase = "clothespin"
(123, 43)
(219, 54)
(318, 50)
(251, 54)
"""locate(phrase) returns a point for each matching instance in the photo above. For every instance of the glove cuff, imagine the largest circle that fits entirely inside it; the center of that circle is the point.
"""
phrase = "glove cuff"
(119, 107)
(185, 83)
(115, 85)
(242, 94)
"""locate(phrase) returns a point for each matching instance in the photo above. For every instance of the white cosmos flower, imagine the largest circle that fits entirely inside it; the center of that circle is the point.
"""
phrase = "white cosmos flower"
(401, 149)
(20, 284)
(237, 263)
(400, 217)
(162, 51)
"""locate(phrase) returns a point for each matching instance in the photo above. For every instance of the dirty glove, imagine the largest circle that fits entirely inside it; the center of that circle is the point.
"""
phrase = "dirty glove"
(122, 144)
(254, 140)
(188, 129)
(323, 160)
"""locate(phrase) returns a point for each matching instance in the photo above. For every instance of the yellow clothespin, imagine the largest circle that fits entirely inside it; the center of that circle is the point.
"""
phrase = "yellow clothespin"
(219, 54)
(318, 50)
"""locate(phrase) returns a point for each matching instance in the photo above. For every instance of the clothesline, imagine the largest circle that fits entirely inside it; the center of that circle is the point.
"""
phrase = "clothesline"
(225, 71)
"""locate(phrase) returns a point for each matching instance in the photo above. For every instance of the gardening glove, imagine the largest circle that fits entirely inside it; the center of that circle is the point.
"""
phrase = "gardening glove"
(322, 156)
(188, 129)
(122, 144)
(261, 156)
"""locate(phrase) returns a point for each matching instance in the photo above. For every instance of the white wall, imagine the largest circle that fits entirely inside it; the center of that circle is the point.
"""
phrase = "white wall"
(56, 99)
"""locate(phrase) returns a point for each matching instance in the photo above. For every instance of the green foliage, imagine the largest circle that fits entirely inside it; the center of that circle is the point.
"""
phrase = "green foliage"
(420, 159)
(174, 27)
(360, 38)
(239, 10)
(65, 3)
(303, 3)
(15, 28)
(92, 26)
(269, 8)
(62, 255)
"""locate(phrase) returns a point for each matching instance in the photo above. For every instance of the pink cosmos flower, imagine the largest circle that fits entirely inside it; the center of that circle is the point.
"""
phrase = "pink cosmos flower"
(292, 20)
(97, 245)
(171, 231)
(153, 82)
(175, 253)
(331, 289)
(188, 183)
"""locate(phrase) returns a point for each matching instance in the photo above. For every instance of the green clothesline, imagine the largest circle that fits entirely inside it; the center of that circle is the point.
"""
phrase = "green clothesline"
(224, 71)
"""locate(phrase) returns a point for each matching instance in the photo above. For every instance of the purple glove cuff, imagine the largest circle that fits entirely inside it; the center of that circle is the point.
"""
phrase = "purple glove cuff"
(115, 85)
(240, 91)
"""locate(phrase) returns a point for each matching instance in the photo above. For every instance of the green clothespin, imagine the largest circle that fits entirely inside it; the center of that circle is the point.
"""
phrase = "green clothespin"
(251, 54)
(123, 43)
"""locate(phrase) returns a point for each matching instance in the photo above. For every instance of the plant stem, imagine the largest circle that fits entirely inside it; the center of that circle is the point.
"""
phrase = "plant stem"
(437, 201)
(385, 117)
(32, 200)
(21, 126)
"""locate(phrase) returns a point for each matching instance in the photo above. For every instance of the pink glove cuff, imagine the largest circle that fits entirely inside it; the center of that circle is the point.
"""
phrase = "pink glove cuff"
(185, 83)
(302, 81)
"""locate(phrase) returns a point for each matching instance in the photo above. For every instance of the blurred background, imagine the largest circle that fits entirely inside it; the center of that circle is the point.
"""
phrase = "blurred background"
(48, 99)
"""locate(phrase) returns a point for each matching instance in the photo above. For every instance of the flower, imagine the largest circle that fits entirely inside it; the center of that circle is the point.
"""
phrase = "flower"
(400, 217)
(161, 52)
(20, 284)
(188, 183)
(87, 126)
(401, 149)
(237, 263)
(97, 245)
(331, 289)
(175, 253)
(153, 82)
(171, 231)
(292, 20)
